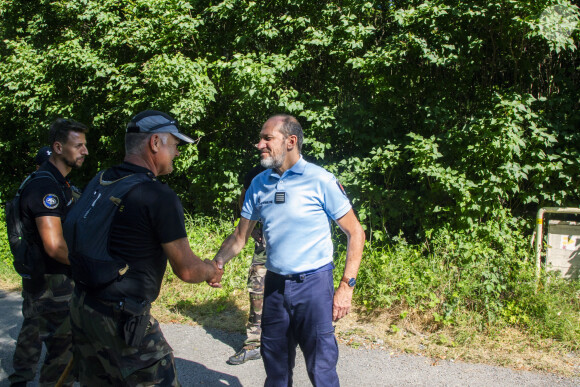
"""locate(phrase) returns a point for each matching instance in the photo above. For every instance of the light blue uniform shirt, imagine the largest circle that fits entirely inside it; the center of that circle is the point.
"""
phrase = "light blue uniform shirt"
(296, 211)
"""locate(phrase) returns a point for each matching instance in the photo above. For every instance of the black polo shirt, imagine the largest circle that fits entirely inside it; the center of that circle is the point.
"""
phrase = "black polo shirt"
(152, 215)
(45, 197)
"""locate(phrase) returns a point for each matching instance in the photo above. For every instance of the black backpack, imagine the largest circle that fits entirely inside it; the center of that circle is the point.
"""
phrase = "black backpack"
(87, 227)
(28, 256)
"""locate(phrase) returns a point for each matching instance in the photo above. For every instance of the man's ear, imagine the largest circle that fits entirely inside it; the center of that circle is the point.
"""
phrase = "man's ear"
(57, 147)
(291, 141)
(155, 143)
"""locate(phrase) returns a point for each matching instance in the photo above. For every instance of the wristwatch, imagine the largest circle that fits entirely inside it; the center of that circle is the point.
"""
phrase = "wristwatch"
(349, 281)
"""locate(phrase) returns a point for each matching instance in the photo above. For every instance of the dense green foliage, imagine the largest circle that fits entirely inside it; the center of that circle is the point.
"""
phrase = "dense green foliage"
(431, 112)
(448, 122)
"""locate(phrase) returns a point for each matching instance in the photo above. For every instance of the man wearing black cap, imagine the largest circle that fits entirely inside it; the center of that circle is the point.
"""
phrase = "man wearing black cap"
(149, 231)
(44, 203)
(42, 155)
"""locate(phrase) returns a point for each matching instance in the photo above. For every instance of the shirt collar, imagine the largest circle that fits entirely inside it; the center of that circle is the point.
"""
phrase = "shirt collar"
(133, 167)
(298, 168)
(124, 169)
(50, 167)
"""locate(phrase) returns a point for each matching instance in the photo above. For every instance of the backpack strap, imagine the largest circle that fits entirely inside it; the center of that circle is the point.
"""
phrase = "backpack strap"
(104, 182)
(80, 214)
(39, 175)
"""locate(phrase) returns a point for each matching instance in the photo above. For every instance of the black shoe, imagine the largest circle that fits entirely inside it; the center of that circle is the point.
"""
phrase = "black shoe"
(244, 355)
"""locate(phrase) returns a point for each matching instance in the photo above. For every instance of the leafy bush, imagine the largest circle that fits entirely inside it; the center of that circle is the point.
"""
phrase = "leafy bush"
(427, 125)
(485, 276)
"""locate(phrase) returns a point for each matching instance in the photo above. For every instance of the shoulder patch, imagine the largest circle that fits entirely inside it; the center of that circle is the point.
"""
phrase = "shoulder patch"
(340, 187)
(50, 201)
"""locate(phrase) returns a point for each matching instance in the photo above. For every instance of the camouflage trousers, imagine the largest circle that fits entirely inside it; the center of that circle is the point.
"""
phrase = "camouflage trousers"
(256, 276)
(46, 320)
(102, 358)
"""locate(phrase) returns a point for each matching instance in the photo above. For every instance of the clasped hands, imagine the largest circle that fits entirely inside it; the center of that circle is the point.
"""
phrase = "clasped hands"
(215, 281)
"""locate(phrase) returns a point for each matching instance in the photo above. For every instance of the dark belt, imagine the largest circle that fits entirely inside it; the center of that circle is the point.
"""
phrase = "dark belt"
(107, 308)
(303, 275)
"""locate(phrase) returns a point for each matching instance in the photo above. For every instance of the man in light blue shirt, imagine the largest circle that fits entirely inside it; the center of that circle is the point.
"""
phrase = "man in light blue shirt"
(296, 202)
(296, 209)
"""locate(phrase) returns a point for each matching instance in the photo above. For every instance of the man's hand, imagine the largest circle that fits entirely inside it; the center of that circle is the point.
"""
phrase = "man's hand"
(257, 234)
(215, 281)
(342, 301)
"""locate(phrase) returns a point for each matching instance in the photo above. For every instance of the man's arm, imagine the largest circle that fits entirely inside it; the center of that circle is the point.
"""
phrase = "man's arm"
(350, 225)
(235, 242)
(50, 230)
(188, 266)
(257, 232)
(241, 199)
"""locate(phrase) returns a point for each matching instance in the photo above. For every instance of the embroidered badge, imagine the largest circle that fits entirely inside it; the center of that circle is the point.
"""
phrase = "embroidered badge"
(50, 201)
(340, 187)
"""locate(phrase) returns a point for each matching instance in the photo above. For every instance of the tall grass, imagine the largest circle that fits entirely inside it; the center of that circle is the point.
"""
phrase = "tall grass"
(9, 279)
(482, 279)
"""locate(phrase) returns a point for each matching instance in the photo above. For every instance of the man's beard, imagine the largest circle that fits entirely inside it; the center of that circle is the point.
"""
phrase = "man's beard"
(273, 162)
(73, 164)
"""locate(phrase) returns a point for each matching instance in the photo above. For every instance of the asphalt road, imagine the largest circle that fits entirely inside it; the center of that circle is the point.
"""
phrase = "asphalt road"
(201, 356)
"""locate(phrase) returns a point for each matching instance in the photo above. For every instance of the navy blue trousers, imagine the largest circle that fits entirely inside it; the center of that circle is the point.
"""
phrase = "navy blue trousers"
(298, 311)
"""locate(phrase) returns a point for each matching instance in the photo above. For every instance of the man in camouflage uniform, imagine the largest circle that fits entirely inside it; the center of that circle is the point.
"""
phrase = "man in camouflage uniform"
(29, 348)
(103, 357)
(256, 275)
(44, 204)
(116, 340)
(45, 318)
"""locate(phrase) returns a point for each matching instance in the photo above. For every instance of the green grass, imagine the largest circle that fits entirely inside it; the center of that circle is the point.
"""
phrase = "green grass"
(469, 296)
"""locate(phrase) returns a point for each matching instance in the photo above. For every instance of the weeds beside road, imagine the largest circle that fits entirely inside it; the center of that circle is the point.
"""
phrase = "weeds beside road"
(201, 354)
(459, 298)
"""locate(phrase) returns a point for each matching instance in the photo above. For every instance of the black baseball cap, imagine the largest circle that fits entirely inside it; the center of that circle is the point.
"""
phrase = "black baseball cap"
(153, 121)
(42, 155)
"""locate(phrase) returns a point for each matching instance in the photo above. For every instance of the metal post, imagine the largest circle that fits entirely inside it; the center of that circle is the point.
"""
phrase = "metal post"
(539, 229)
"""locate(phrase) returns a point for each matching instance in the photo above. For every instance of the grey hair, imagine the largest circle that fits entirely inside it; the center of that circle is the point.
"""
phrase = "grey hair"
(290, 126)
(136, 142)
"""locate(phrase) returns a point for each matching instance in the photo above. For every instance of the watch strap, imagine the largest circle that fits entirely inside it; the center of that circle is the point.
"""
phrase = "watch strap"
(349, 281)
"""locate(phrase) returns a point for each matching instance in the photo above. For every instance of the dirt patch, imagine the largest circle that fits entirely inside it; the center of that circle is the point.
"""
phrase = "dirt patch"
(507, 347)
